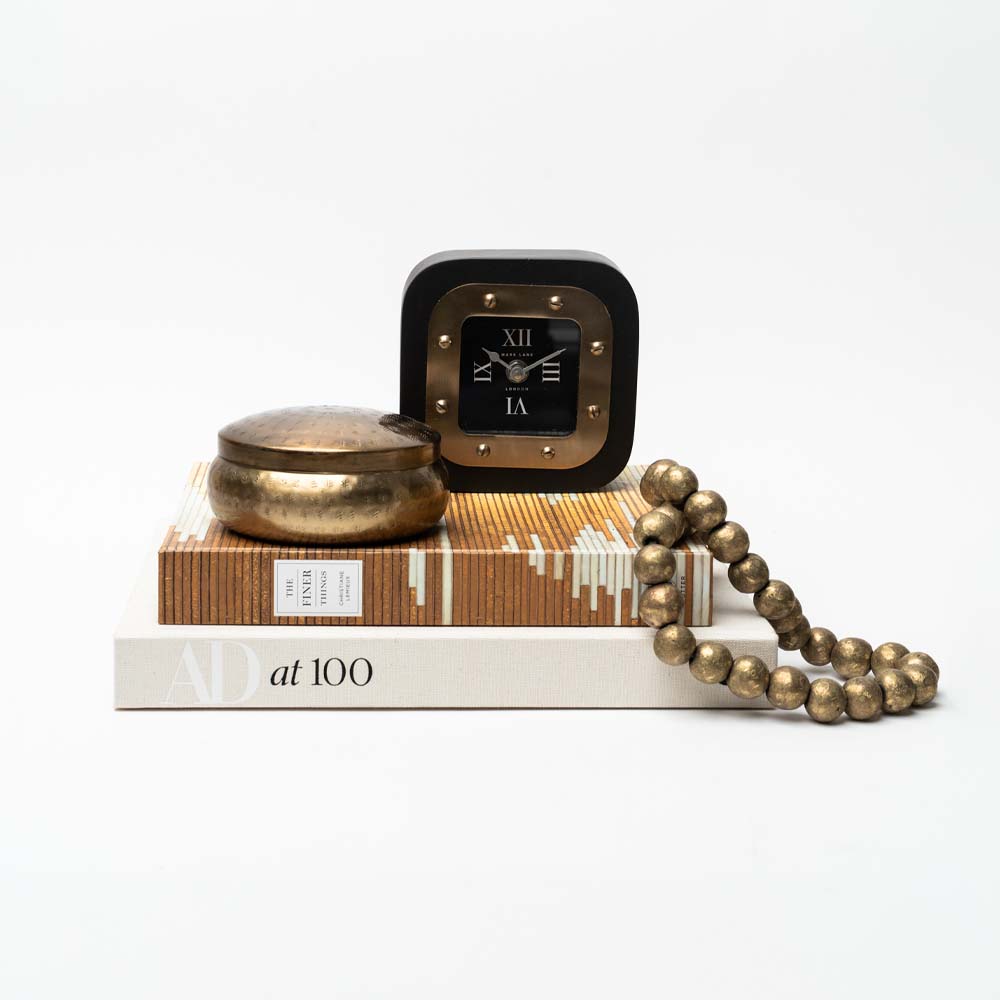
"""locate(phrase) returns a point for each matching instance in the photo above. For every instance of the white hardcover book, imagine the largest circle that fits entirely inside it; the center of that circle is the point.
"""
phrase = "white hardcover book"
(364, 666)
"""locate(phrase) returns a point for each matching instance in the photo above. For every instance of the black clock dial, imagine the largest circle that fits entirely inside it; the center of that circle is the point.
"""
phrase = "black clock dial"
(519, 376)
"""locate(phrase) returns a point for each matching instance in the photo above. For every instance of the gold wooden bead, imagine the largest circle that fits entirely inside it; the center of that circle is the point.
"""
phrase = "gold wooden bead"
(819, 647)
(662, 524)
(661, 605)
(654, 564)
(925, 682)
(898, 691)
(748, 677)
(648, 527)
(864, 698)
(787, 622)
(887, 656)
(649, 485)
(797, 637)
(788, 688)
(774, 600)
(678, 483)
(674, 644)
(749, 574)
(919, 659)
(711, 662)
(827, 701)
(705, 510)
(729, 542)
(851, 657)
(676, 517)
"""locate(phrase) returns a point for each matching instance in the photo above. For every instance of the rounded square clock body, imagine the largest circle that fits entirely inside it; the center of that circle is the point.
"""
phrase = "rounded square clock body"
(525, 361)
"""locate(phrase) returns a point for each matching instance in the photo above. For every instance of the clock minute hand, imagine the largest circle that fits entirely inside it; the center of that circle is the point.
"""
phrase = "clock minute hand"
(541, 361)
(493, 356)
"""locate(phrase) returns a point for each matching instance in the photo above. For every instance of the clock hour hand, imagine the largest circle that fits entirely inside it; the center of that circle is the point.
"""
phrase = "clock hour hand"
(494, 357)
(541, 361)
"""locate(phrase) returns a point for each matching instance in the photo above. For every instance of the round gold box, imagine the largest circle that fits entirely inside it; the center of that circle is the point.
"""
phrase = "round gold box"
(331, 475)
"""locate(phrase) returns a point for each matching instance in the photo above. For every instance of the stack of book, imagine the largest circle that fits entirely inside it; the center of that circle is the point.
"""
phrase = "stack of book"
(514, 601)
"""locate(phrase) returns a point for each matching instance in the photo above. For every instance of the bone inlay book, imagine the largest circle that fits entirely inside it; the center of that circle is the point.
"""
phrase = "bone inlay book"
(494, 559)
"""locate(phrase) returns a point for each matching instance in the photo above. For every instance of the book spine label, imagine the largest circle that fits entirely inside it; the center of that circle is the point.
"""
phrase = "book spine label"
(352, 668)
(318, 587)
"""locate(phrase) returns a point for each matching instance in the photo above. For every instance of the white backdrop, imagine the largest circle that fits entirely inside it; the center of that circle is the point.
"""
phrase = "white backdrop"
(209, 208)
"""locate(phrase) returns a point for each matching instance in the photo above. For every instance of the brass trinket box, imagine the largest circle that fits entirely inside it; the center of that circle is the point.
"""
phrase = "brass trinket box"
(328, 475)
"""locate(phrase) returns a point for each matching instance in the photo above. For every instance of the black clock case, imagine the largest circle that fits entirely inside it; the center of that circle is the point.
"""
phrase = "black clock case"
(441, 272)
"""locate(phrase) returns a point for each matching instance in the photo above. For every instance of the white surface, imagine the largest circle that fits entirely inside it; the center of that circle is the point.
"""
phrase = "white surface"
(209, 208)
(195, 666)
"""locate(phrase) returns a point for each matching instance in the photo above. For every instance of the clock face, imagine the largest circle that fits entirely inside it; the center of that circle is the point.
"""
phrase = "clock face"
(519, 375)
(525, 363)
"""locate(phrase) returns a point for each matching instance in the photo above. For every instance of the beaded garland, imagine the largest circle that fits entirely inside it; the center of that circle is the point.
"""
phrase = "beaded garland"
(887, 679)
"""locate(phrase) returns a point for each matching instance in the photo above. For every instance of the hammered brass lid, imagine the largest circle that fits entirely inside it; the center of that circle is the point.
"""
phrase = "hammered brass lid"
(329, 439)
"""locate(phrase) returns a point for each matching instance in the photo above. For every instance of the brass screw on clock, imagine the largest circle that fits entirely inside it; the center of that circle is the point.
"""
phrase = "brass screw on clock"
(483, 450)
(901, 679)
(490, 300)
(444, 342)
(597, 348)
(441, 406)
(548, 452)
(593, 411)
(555, 303)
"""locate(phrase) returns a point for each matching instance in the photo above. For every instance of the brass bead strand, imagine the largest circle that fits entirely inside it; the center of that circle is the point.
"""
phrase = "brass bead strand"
(887, 679)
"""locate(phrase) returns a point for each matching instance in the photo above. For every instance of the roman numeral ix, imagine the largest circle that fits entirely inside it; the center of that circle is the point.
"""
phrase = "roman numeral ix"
(482, 373)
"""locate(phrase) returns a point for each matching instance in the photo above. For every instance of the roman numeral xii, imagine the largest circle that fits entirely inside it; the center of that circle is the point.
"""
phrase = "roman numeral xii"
(518, 337)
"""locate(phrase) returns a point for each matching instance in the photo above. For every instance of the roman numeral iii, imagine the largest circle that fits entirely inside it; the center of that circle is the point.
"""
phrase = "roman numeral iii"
(520, 337)
(551, 371)
(515, 407)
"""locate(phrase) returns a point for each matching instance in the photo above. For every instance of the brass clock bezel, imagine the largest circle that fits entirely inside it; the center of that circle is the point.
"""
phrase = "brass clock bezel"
(518, 301)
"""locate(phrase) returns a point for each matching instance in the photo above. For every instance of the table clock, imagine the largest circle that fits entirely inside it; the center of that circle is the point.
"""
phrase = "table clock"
(525, 362)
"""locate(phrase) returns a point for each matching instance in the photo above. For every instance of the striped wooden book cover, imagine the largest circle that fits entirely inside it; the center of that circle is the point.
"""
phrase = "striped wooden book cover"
(495, 559)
